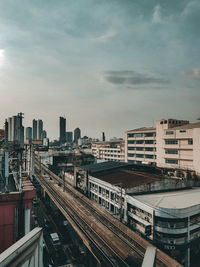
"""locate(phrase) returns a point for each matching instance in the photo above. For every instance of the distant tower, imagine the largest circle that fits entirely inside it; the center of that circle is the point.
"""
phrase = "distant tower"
(69, 137)
(34, 135)
(62, 129)
(39, 129)
(28, 133)
(103, 138)
(77, 135)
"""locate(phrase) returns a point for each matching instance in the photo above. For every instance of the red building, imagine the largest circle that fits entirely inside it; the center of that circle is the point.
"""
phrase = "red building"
(16, 214)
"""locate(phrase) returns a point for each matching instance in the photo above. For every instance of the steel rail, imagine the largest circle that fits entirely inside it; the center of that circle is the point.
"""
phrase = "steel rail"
(69, 210)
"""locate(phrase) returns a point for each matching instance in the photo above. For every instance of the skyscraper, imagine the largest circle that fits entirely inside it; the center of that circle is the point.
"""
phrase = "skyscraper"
(77, 135)
(34, 130)
(69, 137)
(28, 133)
(39, 129)
(103, 138)
(62, 129)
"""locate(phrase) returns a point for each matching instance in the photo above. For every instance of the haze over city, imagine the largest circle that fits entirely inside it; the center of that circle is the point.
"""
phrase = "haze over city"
(106, 65)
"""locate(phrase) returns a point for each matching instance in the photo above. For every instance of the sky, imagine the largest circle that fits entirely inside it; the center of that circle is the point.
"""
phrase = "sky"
(106, 65)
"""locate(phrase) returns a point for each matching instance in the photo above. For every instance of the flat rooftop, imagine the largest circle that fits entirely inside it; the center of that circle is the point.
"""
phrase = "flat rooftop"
(187, 126)
(104, 166)
(143, 129)
(172, 200)
(128, 178)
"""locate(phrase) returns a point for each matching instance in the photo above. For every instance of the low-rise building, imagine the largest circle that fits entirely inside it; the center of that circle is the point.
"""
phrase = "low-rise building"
(109, 150)
(140, 146)
(178, 146)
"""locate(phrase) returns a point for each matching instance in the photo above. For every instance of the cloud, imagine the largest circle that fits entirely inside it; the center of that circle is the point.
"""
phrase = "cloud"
(106, 37)
(194, 74)
(130, 78)
(157, 14)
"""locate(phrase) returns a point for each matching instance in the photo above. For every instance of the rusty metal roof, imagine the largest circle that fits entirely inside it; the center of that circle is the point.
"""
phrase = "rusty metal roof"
(128, 178)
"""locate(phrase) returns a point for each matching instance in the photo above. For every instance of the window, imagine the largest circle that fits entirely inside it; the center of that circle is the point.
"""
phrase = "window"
(99, 190)
(149, 134)
(130, 148)
(171, 161)
(169, 132)
(130, 135)
(190, 142)
(149, 149)
(139, 148)
(131, 142)
(171, 151)
(171, 142)
(149, 156)
(139, 135)
(140, 142)
(139, 156)
(149, 141)
(182, 131)
(131, 155)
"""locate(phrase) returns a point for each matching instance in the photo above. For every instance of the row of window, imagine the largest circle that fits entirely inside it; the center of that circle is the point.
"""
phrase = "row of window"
(142, 148)
(141, 141)
(141, 156)
(141, 134)
(175, 142)
(171, 161)
(171, 151)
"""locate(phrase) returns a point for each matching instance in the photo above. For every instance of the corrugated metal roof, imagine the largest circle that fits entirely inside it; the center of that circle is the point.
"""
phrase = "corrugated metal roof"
(104, 166)
(128, 178)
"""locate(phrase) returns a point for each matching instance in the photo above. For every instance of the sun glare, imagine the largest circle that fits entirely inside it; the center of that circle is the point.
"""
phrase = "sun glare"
(2, 56)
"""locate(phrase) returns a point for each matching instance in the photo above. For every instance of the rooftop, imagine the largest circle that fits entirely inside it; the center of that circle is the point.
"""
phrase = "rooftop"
(128, 178)
(172, 200)
(104, 166)
(142, 129)
(188, 126)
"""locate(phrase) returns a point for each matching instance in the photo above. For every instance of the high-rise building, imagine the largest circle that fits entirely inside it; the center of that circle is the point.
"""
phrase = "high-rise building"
(62, 130)
(44, 134)
(77, 135)
(34, 135)
(69, 137)
(102, 138)
(28, 133)
(39, 129)
(16, 130)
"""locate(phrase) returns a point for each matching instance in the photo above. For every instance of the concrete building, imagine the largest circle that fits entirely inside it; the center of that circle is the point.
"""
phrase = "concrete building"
(77, 135)
(16, 212)
(164, 210)
(69, 137)
(16, 130)
(34, 130)
(110, 150)
(28, 133)
(178, 146)
(39, 129)
(62, 130)
(140, 146)
(174, 146)
(44, 134)
(102, 138)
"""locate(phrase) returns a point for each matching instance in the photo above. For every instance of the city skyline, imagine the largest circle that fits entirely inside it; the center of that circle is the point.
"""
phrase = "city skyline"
(137, 61)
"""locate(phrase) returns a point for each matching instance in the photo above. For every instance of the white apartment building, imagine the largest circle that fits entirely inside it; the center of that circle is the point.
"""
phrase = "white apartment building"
(109, 150)
(140, 146)
(178, 145)
(173, 145)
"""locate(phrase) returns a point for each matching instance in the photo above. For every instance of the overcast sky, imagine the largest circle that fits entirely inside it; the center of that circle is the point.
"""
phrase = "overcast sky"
(107, 65)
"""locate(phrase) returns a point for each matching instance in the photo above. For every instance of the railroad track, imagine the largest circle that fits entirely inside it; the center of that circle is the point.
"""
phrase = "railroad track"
(111, 258)
(113, 225)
